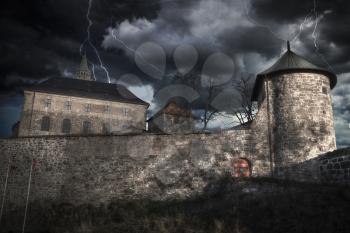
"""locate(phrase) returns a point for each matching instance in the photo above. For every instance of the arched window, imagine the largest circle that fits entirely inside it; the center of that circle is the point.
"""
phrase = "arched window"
(242, 168)
(45, 123)
(86, 127)
(66, 125)
(106, 128)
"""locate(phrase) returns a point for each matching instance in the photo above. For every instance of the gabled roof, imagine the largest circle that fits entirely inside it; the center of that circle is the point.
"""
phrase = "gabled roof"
(288, 63)
(87, 89)
(173, 109)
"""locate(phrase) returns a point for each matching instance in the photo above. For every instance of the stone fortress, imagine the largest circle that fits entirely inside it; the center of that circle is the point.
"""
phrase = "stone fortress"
(293, 127)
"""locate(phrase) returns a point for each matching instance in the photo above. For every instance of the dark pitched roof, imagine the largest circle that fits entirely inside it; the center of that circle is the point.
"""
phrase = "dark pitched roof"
(172, 108)
(87, 89)
(291, 62)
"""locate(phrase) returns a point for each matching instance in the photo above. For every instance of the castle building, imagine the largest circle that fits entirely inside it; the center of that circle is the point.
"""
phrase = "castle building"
(288, 139)
(296, 95)
(172, 119)
(80, 105)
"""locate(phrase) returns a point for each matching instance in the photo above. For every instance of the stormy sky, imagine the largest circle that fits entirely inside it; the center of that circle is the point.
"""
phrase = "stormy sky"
(144, 43)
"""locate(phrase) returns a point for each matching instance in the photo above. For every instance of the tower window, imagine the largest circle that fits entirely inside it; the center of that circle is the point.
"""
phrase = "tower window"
(47, 103)
(86, 127)
(45, 123)
(324, 90)
(67, 105)
(66, 125)
(87, 107)
(108, 109)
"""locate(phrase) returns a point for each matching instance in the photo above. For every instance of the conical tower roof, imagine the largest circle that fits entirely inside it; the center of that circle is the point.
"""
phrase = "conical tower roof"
(83, 72)
(290, 62)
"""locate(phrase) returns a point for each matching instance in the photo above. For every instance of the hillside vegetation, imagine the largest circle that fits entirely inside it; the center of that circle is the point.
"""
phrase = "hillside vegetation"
(245, 206)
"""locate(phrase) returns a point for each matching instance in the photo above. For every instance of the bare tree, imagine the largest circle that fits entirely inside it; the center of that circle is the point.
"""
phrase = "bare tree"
(247, 110)
(207, 91)
(209, 112)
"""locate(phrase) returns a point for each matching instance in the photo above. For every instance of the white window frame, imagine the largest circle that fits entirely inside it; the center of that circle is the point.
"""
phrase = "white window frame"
(68, 105)
(126, 111)
(87, 107)
(48, 102)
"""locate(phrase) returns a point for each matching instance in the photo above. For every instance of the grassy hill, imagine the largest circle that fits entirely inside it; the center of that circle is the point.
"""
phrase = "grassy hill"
(244, 205)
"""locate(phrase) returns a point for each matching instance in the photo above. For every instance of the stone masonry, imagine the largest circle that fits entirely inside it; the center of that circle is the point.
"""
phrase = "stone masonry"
(301, 118)
(335, 169)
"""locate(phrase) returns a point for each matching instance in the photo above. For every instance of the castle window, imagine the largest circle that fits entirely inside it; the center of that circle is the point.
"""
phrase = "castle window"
(45, 123)
(324, 90)
(67, 105)
(66, 125)
(126, 111)
(87, 107)
(86, 127)
(108, 109)
(106, 128)
(47, 103)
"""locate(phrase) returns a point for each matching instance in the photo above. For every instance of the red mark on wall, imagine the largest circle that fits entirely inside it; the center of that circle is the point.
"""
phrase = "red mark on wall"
(241, 168)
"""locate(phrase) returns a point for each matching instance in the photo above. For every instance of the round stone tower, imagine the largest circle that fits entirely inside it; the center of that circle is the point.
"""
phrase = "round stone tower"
(296, 97)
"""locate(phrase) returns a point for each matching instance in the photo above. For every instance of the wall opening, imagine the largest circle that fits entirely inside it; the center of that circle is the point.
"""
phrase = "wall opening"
(241, 168)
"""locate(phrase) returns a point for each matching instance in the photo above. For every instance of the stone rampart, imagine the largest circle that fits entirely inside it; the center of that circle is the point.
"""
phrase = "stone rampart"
(95, 169)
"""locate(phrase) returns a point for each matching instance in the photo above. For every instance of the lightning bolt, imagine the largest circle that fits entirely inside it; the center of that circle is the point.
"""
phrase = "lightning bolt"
(313, 14)
(88, 40)
(314, 36)
(301, 26)
(93, 71)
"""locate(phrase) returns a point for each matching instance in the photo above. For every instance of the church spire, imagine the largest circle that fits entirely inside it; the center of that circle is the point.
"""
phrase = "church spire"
(83, 72)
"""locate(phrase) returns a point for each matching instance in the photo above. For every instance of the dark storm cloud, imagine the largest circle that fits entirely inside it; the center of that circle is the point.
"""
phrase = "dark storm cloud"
(240, 40)
(333, 32)
(41, 39)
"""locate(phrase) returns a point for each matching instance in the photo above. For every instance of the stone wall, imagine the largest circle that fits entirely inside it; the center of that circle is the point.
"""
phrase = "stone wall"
(335, 167)
(120, 117)
(96, 169)
(330, 168)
